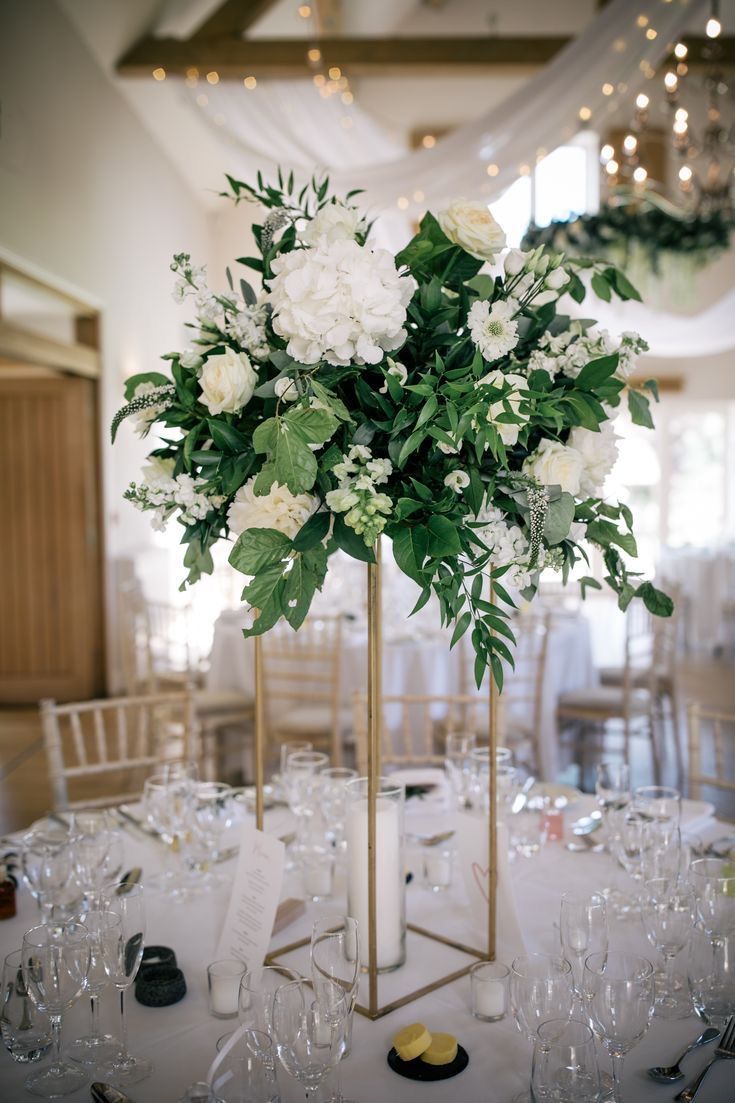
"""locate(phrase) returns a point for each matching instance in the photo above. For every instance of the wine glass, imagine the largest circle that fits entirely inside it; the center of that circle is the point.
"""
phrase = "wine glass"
(255, 1000)
(713, 881)
(167, 805)
(619, 993)
(46, 856)
(661, 802)
(55, 964)
(711, 974)
(661, 854)
(309, 1034)
(457, 765)
(122, 947)
(335, 970)
(612, 786)
(582, 930)
(93, 839)
(25, 1029)
(212, 813)
(246, 1073)
(95, 1048)
(564, 1063)
(540, 989)
(668, 915)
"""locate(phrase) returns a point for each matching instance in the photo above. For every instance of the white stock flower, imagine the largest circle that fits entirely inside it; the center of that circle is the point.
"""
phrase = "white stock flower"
(493, 329)
(227, 381)
(448, 449)
(334, 222)
(278, 509)
(457, 481)
(599, 451)
(285, 389)
(471, 226)
(340, 302)
(554, 464)
(247, 327)
(341, 499)
(508, 433)
(506, 542)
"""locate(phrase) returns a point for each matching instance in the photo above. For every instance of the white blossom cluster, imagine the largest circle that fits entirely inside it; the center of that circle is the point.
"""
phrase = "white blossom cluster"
(144, 418)
(192, 280)
(247, 327)
(163, 494)
(568, 352)
(366, 509)
(508, 545)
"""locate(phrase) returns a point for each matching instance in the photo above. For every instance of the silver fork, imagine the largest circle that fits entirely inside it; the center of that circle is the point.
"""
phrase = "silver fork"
(725, 1050)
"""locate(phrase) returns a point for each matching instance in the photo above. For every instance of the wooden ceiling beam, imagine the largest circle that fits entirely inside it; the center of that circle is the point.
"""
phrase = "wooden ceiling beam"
(236, 57)
(232, 19)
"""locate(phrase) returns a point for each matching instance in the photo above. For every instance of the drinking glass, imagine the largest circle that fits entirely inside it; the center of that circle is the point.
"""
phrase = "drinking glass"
(334, 803)
(627, 840)
(255, 1000)
(213, 811)
(668, 915)
(457, 764)
(661, 855)
(293, 747)
(309, 1035)
(582, 930)
(26, 1030)
(612, 786)
(661, 802)
(247, 1073)
(46, 856)
(55, 964)
(713, 881)
(302, 782)
(564, 1063)
(167, 803)
(95, 1048)
(711, 972)
(540, 989)
(619, 993)
(122, 945)
(335, 957)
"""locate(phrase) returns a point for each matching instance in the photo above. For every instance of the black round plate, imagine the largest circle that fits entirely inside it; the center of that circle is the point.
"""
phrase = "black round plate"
(419, 1070)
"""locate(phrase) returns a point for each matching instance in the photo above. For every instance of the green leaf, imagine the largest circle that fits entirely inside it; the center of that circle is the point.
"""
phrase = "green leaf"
(559, 517)
(133, 381)
(313, 426)
(601, 287)
(443, 537)
(226, 438)
(351, 542)
(410, 445)
(588, 583)
(460, 628)
(256, 549)
(640, 410)
(657, 602)
(298, 592)
(265, 585)
(597, 371)
(265, 436)
(623, 287)
(410, 547)
(312, 532)
(295, 463)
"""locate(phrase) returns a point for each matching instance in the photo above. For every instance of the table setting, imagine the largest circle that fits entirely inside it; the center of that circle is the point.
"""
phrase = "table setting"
(635, 928)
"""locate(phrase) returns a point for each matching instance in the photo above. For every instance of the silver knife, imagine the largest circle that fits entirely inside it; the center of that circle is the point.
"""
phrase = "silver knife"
(106, 1093)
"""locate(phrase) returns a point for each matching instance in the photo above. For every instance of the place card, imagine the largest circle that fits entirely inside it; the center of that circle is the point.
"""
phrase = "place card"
(255, 894)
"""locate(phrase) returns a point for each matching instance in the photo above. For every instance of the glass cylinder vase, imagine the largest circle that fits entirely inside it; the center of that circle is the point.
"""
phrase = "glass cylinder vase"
(390, 878)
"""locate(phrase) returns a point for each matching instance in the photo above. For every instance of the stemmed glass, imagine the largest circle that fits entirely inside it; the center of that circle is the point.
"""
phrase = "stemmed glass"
(661, 851)
(668, 915)
(301, 782)
(711, 975)
(713, 881)
(95, 1048)
(309, 1034)
(540, 989)
(25, 1029)
(212, 813)
(46, 855)
(167, 802)
(564, 1063)
(612, 786)
(335, 970)
(55, 964)
(122, 946)
(619, 993)
(255, 1001)
(457, 764)
(582, 930)
(97, 852)
(661, 802)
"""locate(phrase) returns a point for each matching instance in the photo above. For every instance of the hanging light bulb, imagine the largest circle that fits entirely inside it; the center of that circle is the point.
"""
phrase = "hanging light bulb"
(713, 28)
(640, 175)
(630, 144)
(606, 153)
(680, 51)
(681, 114)
(611, 167)
(642, 101)
(680, 127)
(670, 81)
(685, 174)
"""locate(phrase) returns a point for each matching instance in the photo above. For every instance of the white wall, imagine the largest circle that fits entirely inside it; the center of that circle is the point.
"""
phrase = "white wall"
(87, 196)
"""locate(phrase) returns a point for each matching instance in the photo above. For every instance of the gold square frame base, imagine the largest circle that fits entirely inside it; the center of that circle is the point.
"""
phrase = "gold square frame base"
(374, 1013)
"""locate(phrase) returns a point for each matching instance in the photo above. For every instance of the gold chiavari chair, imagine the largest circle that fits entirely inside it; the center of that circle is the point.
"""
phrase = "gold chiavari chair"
(118, 741)
(302, 682)
(413, 726)
(711, 750)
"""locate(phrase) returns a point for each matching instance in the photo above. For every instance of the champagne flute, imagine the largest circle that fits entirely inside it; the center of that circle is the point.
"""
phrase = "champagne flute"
(55, 964)
(457, 766)
(335, 970)
(619, 993)
(301, 782)
(582, 930)
(309, 1034)
(711, 975)
(540, 989)
(668, 916)
(123, 940)
(95, 1048)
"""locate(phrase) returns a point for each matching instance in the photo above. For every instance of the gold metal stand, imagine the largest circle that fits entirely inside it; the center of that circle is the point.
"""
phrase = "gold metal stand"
(373, 1009)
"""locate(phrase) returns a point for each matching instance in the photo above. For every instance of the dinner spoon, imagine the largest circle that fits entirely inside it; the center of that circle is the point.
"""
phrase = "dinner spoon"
(667, 1075)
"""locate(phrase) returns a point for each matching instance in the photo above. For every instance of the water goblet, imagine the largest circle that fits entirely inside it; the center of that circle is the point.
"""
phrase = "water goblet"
(26, 1031)
(565, 1066)
(255, 1000)
(309, 1035)
(123, 941)
(619, 993)
(713, 881)
(95, 1048)
(661, 851)
(582, 930)
(540, 989)
(55, 963)
(711, 974)
(668, 916)
(661, 802)
(213, 811)
(612, 786)
(47, 860)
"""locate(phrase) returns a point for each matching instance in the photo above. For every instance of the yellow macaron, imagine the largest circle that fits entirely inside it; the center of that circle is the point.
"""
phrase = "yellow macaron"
(442, 1051)
(412, 1041)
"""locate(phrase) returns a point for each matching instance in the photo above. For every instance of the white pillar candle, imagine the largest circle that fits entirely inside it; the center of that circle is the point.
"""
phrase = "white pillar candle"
(390, 890)
(224, 993)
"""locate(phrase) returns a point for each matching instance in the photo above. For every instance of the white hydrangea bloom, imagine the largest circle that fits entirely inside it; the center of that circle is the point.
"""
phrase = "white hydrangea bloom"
(278, 509)
(340, 302)
(493, 330)
(507, 543)
(599, 451)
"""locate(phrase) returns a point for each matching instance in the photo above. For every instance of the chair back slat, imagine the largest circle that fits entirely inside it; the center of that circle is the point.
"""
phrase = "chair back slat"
(99, 735)
(711, 740)
(78, 738)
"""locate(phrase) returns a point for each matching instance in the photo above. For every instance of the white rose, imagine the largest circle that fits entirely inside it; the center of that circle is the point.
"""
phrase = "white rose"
(554, 464)
(335, 222)
(471, 226)
(457, 481)
(227, 381)
(190, 358)
(285, 389)
(508, 433)
(515, 262)
(278, 509)
(448, 449)
(599, 451)
(557, 279)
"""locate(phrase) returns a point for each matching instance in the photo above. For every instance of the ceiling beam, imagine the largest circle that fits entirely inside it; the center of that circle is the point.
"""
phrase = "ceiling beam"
(237, 57)
(232, 19)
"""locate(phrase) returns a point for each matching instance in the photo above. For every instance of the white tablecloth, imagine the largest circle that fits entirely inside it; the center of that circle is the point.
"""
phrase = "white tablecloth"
(180, 1039)
(707, 581)
(423, 665)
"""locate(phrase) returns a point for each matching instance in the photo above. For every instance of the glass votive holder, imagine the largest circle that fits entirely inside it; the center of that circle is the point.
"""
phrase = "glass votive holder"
(223, 979)
(489, 988)
(437, 867)
(318, 869)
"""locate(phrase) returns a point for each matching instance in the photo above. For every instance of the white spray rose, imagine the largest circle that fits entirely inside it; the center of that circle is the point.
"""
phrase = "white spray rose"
(518, 405)
(515, 262)
(334, 222)
(457, 481)
(471, 226)
(190, 358)
(599, 451)
(227, 381)
(278, 509)
(285, 389)
(557, 279)
(554, 464)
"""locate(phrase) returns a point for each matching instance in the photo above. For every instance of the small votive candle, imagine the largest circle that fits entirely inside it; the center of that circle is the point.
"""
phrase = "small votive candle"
(318, 876)
(223, 979)
(437, 867)
(489, 987)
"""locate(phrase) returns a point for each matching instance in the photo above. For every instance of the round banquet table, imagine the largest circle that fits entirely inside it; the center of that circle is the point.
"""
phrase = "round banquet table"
(421, 664)
(180, 1039)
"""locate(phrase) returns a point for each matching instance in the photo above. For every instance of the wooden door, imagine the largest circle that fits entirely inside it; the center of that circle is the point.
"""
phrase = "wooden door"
(50, 555)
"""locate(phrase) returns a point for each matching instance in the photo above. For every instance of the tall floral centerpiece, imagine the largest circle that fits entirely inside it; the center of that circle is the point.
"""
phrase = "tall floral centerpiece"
(429, 396)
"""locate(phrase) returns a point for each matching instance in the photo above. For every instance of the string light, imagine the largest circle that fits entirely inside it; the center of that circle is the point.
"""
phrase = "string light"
(608, 89)
(642, 20)
(335, 72)
(611, 167)
(347, 98)
(250, 83)
(680, 127)
(671, 81)
(492, 170)
(685, 174)
(418, 197)
(640, 175)
(213, 77)
(630, 144)
(680, 51)
(304, 11)
(681, 114)
(642, 101)
(606, 153)
(585, 114)
(651, 34)
(713, 29)
(314, 55)
(402, 203)
(192, 75)
(428, 141)
(202, 99)
(320, 80)
(159, 74)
